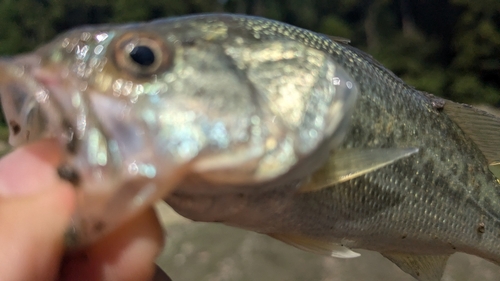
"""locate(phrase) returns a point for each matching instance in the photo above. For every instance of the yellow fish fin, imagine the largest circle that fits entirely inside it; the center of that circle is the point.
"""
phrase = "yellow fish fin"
(422, 267)
(316, 246)
(482, 127)
(339, 39)
(347, 164)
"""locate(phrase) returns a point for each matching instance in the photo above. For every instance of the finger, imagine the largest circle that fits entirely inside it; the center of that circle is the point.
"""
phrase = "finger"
(24, 170)
(126, 254)
(32, 232)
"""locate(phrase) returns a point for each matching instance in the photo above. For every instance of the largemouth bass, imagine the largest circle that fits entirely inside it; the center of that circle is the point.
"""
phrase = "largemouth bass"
(416, 211)
(264, 126)
(139, 107)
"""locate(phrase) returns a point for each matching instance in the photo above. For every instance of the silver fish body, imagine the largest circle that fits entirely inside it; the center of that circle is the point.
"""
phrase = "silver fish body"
(250, 122)
(416, 211)
(141, 106)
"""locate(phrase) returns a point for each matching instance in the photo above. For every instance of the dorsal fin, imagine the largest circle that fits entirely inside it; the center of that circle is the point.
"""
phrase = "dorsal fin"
(339, 39)
(316, 246)
(422, 267)
(344, 165)
(482, 127)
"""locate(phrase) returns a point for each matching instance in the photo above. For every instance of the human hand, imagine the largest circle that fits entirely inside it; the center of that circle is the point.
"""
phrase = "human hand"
(35, 211)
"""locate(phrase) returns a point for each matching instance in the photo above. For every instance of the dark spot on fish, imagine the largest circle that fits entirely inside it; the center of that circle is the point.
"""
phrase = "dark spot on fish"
(452, 246)
(371, 136)
(69, 174)
(72, 144)
(481, 228)
(391, 139)
(15, 127)
(200, 92)
(476, 190)
(428, 167)
(443, 157)
(491, 205)
(188, 42)
(240, 195)
(437, 103)
(497, 190)
(442, 182)
(470, 168)
(464, 176)
(99, 226)
(418, 273)
(404, 236)
(71, 238)
(454, 169)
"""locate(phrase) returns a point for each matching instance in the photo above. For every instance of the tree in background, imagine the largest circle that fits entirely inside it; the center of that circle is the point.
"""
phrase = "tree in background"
(476, 41)
(448, 47)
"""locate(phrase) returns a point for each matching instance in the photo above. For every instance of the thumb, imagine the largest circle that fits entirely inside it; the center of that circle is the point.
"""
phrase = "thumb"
(30, 169)
(35, 209)
(32, 233)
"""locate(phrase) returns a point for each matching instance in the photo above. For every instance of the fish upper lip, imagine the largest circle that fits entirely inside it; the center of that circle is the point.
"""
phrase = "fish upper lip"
(22, 95)
(45, 78)
(23, 71)
(17, 67)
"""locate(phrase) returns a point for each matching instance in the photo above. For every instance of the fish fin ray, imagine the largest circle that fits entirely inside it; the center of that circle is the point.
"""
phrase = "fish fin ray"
(495, 169)
(422, 267)
(316, 246)
(482, 127)
(339, 39)
(348, 164)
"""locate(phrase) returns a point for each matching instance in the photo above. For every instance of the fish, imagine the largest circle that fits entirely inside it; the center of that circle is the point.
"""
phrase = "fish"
(141, 107)
(264, 126)
(440, 198)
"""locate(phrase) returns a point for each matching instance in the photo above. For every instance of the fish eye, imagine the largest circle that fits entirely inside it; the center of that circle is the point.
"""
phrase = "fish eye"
(142, 54)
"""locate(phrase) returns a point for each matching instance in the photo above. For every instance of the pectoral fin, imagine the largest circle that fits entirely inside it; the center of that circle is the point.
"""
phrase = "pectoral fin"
(347, 164)
(483, 128)
(316, 246)
(422, 267)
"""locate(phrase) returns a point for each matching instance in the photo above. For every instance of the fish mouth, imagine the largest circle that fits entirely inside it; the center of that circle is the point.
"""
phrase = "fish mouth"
(113, 182)
(26, 104)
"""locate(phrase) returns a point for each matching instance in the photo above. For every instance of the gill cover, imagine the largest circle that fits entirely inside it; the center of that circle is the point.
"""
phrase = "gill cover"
(231, 101)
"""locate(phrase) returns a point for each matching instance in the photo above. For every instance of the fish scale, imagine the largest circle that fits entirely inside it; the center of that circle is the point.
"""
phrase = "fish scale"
(424, 175)
(441, 200)
(387, 100)
(264, 126)
(139, 106)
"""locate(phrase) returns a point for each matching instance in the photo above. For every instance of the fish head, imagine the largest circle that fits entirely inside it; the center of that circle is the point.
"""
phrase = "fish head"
(82, 89)
(21, 99)
(140, 106)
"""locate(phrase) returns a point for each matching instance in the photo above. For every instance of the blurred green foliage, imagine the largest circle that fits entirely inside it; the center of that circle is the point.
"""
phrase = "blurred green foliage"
(448, 47)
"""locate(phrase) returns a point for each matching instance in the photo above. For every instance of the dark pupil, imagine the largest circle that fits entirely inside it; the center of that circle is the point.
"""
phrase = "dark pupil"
(143, 55)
